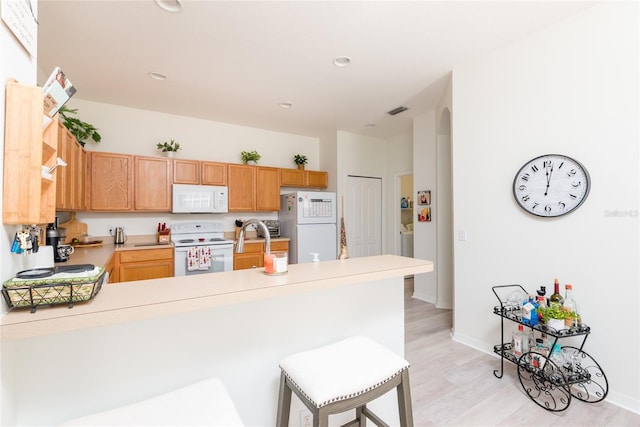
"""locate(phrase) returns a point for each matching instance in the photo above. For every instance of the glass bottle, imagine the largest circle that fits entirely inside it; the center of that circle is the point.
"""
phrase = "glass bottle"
(569, 304)
(516, 341)
(530, 311)
(542, 304)
(555, 300)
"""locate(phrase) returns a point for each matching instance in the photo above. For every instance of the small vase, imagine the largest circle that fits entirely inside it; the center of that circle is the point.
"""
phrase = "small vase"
(556, 324)
(169, 153)
(301, 167)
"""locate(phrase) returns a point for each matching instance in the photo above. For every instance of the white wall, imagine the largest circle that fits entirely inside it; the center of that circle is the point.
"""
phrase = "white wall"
(17, 63)
(571, 89)
(424, 178)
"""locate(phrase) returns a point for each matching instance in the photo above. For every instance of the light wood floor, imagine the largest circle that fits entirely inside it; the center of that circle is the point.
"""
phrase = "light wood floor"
(454, 385)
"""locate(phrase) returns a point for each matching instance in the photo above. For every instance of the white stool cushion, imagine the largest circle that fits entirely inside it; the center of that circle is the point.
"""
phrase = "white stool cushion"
(342, 370)
(203, 403)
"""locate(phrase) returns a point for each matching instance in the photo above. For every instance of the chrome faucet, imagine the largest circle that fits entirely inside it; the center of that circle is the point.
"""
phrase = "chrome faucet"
(267, 237)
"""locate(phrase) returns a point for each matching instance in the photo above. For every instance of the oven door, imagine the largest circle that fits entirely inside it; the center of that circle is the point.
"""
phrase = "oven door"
(218, 258)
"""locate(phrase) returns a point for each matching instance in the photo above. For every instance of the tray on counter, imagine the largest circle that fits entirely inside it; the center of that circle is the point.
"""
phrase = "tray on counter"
(57, 289)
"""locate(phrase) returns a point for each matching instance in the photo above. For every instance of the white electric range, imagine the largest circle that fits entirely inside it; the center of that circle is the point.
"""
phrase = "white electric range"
(201, 248)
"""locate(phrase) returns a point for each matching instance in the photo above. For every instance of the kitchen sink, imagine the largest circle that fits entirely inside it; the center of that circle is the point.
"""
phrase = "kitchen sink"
(150, 244)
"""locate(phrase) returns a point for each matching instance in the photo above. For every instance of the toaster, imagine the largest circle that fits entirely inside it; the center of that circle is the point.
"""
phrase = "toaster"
(273, 225)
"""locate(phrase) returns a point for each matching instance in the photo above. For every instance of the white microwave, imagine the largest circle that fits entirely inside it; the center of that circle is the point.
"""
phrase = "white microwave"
(200, 199)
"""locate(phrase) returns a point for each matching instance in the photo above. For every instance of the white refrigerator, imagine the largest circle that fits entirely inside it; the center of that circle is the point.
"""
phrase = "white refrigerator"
(308, 218)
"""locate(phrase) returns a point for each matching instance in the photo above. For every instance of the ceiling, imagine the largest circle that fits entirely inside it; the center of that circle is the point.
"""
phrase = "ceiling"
(236, 61)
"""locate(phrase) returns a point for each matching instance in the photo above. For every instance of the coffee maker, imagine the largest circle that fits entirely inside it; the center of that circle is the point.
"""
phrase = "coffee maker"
(53, 240)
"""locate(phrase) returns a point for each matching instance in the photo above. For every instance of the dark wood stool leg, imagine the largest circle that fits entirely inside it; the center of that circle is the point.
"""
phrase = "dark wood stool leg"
(284, 403)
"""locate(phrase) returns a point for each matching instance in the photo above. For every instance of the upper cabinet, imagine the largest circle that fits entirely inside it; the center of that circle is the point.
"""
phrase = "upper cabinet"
(71, 180)
(111, 182)
(199, 172)
(152, 184)
(29, 194)
(253, 188)
(304, 178)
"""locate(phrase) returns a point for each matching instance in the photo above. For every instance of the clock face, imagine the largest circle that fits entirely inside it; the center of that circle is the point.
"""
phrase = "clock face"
(551, 185)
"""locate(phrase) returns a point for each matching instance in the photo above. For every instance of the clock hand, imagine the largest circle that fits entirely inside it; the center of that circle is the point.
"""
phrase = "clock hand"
(548, 173)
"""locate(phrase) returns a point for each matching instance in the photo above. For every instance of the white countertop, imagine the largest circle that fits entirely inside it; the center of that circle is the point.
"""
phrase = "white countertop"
(122, 302)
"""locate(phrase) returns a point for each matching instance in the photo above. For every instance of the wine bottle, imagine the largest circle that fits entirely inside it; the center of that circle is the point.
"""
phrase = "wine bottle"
(555, 300)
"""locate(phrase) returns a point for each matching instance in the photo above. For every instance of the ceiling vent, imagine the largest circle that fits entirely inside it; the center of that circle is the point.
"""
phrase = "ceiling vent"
(397, 111)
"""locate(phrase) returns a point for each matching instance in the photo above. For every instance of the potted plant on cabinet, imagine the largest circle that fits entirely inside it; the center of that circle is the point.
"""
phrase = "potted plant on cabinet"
(81, 130)
(300, 160)
(169, 148)
(250, 156)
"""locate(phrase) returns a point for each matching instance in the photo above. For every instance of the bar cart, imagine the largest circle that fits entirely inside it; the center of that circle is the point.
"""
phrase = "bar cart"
(549, 380)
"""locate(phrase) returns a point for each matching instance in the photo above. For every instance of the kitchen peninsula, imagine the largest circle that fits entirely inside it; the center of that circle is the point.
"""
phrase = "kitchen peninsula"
(139, 339)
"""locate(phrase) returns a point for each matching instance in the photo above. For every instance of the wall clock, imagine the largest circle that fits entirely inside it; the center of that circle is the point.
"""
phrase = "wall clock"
(551, 185)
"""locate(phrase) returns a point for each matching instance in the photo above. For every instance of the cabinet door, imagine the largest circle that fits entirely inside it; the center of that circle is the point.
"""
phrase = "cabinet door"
(242, 187)
(267, 189)
(280, 246)
(186, 171)
(293, 178)
(252, 257)
(152, 178)
(111, 267)
(111, 187)
(317, 179)
(28, 197)
(145, 264)
(214, 173)
(62, 180)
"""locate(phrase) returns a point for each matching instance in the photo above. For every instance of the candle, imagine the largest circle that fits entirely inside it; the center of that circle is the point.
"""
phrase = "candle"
(269, 263)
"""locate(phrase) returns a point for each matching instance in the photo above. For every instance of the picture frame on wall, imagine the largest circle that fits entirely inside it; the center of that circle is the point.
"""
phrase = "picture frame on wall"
(424, 214)
(424, 197)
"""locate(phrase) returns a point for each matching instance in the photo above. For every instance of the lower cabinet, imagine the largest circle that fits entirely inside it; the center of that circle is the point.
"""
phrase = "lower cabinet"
(253, 255)
(143, 264)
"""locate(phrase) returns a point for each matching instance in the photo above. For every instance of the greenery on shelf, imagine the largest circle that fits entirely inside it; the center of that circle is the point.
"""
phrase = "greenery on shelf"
(556, 312)
(81, 130)
(248, 156)
(300, 159)
(168, 146)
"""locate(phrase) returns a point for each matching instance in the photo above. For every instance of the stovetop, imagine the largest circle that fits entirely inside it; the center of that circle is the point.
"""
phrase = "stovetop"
(198, 234)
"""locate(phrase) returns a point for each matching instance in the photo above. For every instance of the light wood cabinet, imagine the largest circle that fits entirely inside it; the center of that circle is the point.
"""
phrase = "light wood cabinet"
(143, 264)
(317, 179)
(186, 171)
(304, 178)
(152, 184)
(111, 267)
(28, 197)
(267, 189)
(111, 182)
(71, 180)
(242, 187)
(198, 172)
(213, 173)
(253, 188)
(253, 255)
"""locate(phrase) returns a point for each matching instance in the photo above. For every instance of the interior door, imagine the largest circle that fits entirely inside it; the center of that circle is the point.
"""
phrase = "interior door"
(363, 216)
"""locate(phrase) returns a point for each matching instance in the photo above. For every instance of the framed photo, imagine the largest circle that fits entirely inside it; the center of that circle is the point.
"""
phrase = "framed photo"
(424, 214)
(424, 197)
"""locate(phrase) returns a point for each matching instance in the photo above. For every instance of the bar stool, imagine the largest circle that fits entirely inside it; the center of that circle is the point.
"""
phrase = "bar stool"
(342, 376)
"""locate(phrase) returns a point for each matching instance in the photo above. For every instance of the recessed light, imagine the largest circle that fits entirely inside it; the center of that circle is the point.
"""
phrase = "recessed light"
(286, 105)
(173, 6)
(158, 76)
(342, 61)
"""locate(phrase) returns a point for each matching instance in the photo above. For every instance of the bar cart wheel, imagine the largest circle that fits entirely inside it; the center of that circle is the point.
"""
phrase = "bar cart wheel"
(544, 382)
(592, 385)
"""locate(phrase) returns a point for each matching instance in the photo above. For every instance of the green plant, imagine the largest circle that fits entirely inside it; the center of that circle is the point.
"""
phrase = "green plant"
(556, 312)
(248, 156)
(299, 159)
(168, 146)
(81, 130)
